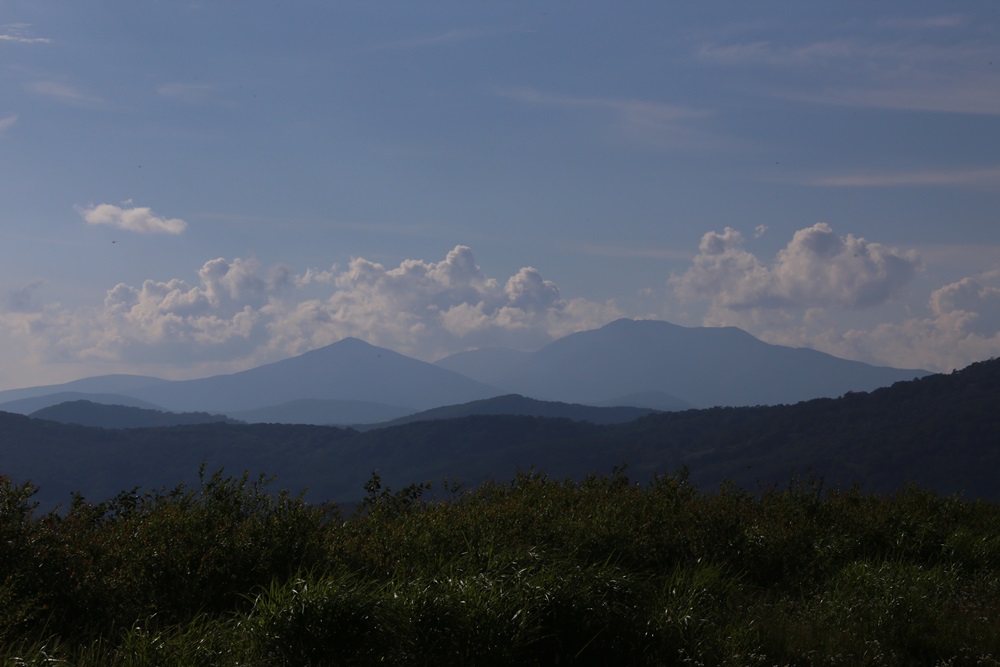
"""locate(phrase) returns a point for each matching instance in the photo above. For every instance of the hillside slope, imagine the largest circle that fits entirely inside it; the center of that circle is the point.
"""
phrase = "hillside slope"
(88, 413)
(515, 404)
(939, 431)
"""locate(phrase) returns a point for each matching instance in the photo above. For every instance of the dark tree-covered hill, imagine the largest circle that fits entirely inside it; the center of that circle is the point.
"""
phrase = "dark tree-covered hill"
(88, 413)
(939, 431)
(515, 404)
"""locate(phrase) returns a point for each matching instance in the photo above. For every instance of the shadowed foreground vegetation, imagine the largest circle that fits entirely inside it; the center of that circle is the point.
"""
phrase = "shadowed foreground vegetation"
(534, 571)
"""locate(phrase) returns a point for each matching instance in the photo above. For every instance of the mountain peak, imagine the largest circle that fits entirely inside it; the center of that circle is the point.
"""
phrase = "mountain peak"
(700, 366)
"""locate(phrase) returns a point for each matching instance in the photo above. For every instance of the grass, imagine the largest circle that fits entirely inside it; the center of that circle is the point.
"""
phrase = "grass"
(531, 571)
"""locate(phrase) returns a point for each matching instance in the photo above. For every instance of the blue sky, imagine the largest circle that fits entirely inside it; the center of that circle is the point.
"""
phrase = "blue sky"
(193, 188)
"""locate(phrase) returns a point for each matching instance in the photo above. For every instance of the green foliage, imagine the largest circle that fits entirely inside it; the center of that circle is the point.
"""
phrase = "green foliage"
(532, 571)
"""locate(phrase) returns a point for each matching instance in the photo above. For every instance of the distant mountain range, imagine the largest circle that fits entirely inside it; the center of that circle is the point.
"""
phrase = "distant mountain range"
(88, 413)
(32, 404)
(322, 412)
(938, 431)
(692, 367)
(645, 363)
(514, 404)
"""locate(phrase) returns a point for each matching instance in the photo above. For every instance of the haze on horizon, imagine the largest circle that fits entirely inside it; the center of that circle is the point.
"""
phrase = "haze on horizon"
(196, 188)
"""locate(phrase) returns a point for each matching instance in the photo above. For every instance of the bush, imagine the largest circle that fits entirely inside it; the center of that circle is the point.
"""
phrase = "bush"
(533, 571)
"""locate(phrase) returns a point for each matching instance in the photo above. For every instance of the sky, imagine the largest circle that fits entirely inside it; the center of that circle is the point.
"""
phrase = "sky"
(191, 188)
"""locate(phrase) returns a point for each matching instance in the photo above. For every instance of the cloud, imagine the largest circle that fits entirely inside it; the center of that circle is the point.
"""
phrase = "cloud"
(927, 23)
(136, 219)
(816, 268)
(879, 71)
(798, 299)
(446, 37)
(65, 94)
(7, 122)
(240, 314)
(636, 110)
(976, 304)
(190, 93)
(963, 326)
(653, 123)
(433, 308)
(617, 250)
(765, 52)
(20, 33)
(21, 299)
(976, 178)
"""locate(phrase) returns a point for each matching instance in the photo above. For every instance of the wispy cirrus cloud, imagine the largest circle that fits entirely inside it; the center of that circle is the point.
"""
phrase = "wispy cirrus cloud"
(20, 33)
(926, 23)
(651, 124)
(632, 109)
(453, 36)
(971, 93)
(767, 53)
(971, 178)
(881, 70)
(66, 94)
(7, 122)
(190, 93)
(638, 252)
(139, 219)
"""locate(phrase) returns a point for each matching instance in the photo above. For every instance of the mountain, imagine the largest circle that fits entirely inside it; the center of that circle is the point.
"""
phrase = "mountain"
(701, 366)
(646, 363)
(98, 384)
(938, 431)
(27, 406)
(89, 413)
(347, 370)
(514, 404)
(321, 412)
(654, 400)
(484, 362)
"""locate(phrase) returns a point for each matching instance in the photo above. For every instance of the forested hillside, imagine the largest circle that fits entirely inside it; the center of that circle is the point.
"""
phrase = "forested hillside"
(938, 431)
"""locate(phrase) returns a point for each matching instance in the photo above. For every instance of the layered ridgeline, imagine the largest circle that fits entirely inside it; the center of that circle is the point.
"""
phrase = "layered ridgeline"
(101, 415)
(648, 364)
(349, 381)
(938, 431)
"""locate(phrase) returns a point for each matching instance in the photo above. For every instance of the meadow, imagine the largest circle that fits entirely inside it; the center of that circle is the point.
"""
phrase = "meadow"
(531, 571)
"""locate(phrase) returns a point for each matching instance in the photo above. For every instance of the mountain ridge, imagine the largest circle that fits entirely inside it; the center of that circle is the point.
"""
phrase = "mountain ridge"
(702, 366)
(100, 415)
(673, 367)
(938, 431)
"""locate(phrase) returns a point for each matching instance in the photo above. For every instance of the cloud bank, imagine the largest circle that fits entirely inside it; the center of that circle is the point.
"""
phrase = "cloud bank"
(801, 296)
(240, 313)
(235, 313)
(816, 269)
(139, 219)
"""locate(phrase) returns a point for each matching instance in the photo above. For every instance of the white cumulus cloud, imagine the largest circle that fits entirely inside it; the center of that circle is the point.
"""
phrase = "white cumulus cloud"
(796, 299)
(963, 326)
(816, 268)
(241, 314)
(139, 219)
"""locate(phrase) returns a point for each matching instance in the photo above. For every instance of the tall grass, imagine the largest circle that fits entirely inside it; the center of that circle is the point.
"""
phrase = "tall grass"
(530, 571)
